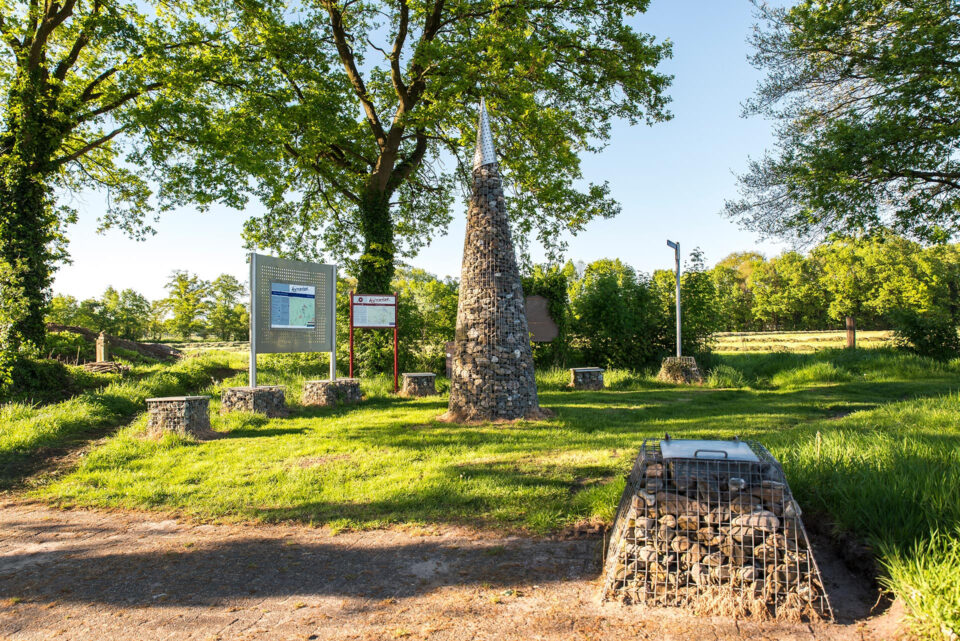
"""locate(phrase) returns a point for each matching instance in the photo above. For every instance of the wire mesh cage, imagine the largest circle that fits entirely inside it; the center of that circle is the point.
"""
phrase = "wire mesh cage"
(714, 527)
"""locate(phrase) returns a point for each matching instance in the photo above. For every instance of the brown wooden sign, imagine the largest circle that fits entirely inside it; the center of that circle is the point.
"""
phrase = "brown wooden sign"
(539, 321)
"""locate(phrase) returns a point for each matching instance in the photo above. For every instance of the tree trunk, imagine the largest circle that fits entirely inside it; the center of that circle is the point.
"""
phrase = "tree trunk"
(851, 332)
(28, 223)
(376, 264)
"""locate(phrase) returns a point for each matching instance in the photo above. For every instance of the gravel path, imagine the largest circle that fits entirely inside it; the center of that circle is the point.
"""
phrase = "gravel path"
(83, 574)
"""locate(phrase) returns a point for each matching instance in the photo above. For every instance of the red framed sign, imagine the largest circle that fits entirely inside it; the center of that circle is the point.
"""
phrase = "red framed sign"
(375, 311)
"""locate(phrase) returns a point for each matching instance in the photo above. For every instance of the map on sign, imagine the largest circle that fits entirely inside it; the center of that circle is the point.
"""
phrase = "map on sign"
(374, 311)
(292, 306)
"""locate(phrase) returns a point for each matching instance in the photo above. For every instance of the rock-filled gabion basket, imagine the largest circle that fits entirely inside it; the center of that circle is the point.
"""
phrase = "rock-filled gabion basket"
(680, 369)
(715, 529)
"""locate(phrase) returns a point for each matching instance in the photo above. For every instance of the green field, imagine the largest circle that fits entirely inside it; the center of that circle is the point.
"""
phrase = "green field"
(869, 440)
(803, 342)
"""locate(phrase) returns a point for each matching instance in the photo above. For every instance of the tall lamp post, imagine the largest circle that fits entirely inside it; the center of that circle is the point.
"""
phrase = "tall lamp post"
(676, 249)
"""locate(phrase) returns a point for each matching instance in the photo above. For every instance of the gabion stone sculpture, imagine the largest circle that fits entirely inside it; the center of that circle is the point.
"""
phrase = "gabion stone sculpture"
(713, 526)
(492, 374)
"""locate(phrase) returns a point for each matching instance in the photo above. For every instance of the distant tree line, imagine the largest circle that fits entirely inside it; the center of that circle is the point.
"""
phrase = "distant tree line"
(883, 282)
(608, 313)
(193, 308)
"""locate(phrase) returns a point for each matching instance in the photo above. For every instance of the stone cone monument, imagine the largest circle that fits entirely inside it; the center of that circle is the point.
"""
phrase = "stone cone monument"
(492, 374)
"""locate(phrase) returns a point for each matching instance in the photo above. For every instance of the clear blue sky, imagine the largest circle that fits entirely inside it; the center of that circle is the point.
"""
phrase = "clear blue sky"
(671, 178)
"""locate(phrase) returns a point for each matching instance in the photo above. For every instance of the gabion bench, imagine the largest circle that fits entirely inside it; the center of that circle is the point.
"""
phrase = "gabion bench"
(343, 391)
(586, 378)
(263, 399)
(419, 384)
(184, 415)
(712, 526)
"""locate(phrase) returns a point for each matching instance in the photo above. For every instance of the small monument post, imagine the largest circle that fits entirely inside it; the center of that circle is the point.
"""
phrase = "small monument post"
(103, 348)
(492, 376)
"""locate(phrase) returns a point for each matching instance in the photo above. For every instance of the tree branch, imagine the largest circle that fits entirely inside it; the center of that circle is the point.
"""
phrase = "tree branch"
(395, 74)
(127, 97)
(87, 93)
(350, 65)
(51, 21)
(64, 66)
(90, 146)
(409, 165)
(5, 32)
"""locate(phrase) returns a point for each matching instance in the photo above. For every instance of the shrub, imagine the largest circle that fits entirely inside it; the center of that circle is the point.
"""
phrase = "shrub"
(931, 334)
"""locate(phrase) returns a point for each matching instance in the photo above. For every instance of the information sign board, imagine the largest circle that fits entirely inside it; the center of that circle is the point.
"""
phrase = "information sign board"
(292, 306)
(374, 312)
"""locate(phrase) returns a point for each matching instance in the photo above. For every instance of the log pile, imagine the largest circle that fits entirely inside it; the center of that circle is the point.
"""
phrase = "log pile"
(719, 536)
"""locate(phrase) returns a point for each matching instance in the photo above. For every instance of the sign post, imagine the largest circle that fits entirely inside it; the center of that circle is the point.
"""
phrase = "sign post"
(292, 309)
(676, 249)
(376, 312)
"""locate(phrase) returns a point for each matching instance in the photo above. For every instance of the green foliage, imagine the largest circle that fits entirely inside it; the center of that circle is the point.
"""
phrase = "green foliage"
(124, 314)
(68, 347)
(426, 317)
(76, 78)
(788, 293)
(864, 94)
(186, 301)
(345, 143)
(614, 320)
(929, 334)
(227, 316)
(551, 283)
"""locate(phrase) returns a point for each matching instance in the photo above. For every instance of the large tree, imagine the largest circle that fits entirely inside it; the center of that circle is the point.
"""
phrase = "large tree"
(355, 118)
(865, 96)
(78, 77)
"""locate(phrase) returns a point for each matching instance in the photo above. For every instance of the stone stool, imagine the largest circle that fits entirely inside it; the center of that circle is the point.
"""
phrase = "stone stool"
(343, 391)
(184, 415)
(419, 384)
(586, 378)
(263, 399)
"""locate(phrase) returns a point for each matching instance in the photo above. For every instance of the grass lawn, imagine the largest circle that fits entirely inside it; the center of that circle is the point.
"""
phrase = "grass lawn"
(869, 439)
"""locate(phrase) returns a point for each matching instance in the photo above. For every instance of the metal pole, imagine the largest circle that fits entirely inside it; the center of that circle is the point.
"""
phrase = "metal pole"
(676, 249)
(333, 327)
(679, 342)
(396, 363)
(351, 333)
(253, 319)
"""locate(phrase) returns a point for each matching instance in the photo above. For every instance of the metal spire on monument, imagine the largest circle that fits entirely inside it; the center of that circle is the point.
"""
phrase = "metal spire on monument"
(492, 377)
(485, 153)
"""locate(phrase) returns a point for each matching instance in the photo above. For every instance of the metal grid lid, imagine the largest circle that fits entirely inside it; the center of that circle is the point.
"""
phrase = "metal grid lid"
(735, 450)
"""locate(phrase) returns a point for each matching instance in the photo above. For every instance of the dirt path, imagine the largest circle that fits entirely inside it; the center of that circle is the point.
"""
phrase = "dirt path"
(99, 575)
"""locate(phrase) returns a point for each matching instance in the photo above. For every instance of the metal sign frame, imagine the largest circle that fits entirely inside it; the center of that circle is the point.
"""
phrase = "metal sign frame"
(378, 300)
(266, 339)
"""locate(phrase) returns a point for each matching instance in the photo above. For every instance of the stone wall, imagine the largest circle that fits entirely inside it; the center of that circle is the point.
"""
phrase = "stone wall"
(343, 391)
(586, 378)
(184, 415)
(493, 377)
(419, 384)
(264, 399)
